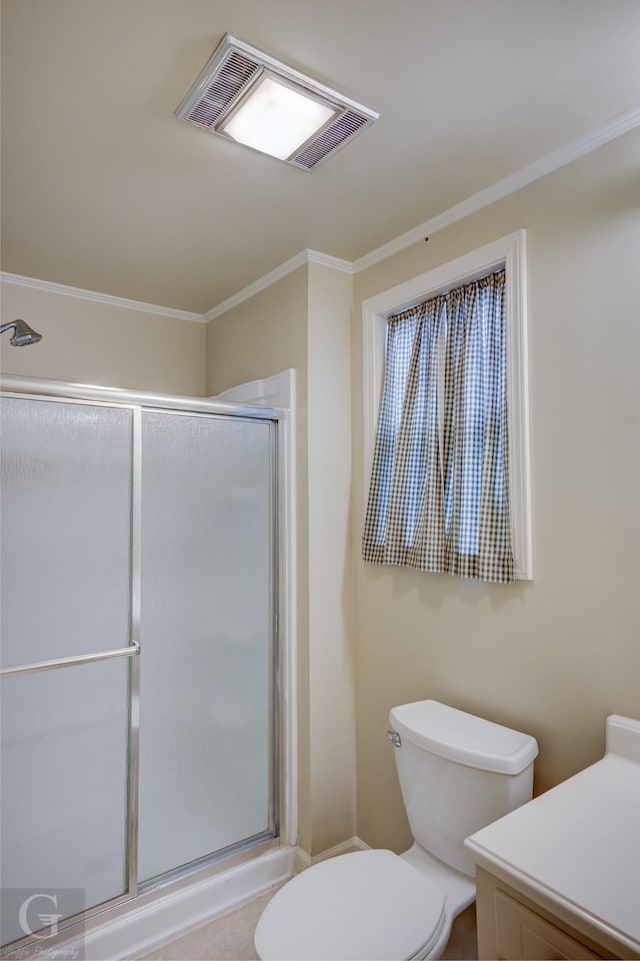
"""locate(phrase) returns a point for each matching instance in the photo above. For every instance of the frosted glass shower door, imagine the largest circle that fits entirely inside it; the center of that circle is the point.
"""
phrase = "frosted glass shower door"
(206, 723)
(65, 555)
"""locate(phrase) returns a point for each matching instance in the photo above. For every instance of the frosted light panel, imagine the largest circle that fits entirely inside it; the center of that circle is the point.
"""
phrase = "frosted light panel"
(206, 666)
(65, 540)
(276, 119)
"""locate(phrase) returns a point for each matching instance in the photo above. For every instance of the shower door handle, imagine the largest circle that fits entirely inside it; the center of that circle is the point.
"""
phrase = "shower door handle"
(131, 651)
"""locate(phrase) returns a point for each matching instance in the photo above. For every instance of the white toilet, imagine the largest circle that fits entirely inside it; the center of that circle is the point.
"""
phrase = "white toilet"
(457, 773)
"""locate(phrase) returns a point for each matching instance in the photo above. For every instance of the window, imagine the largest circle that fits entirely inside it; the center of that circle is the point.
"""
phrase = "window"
(446, 432)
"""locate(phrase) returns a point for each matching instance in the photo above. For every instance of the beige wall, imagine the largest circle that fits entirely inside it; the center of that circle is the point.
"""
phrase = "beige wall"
(303, 321)
(261, 337)
(331, 656)
(554, 656)
(88, 342)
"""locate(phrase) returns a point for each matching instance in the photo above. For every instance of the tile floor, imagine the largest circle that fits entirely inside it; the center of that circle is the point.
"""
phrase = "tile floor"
(230, 938)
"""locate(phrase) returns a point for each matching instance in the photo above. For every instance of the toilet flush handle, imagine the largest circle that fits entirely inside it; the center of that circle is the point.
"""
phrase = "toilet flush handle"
(394, 737)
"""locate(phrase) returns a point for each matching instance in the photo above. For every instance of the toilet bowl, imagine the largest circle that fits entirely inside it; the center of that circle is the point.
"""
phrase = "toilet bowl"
(369, 904)
(457, 773)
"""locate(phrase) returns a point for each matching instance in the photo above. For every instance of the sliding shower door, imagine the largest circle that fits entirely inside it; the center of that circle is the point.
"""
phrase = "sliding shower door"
(139, 643)
(65, 556)
(206, 731)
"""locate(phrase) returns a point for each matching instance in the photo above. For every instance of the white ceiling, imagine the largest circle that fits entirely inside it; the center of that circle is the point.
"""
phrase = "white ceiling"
(103, 189)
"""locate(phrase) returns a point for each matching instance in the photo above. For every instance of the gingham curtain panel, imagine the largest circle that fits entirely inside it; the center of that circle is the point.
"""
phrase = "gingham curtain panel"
(439, 494)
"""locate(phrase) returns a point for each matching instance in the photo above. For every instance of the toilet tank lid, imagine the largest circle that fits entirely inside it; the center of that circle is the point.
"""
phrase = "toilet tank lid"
(463, 737)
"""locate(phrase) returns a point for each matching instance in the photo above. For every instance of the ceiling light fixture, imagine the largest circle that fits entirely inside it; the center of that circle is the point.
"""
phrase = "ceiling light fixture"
(245, 95)
(275, 118)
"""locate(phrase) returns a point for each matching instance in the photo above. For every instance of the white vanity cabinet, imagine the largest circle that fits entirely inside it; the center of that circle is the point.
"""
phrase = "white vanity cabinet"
(515, 928)
(560, 876)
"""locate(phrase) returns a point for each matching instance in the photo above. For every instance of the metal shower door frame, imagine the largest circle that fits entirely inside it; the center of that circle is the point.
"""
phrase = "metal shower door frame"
(137, 401)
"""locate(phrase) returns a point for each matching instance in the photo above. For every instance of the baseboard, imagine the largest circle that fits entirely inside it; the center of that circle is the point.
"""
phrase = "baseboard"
(304, 860)
(144, 929)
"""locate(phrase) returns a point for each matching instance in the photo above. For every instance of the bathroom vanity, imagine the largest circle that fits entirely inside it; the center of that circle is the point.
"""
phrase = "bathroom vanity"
(560, 876)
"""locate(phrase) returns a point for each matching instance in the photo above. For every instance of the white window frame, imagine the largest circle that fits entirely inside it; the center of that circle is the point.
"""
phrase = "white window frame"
(510, 252)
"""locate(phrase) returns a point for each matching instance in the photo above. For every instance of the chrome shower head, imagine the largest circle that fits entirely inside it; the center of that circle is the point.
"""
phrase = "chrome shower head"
(23, 334)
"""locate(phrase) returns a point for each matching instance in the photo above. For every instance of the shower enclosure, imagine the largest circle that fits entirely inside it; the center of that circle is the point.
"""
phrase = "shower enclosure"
(139, 644)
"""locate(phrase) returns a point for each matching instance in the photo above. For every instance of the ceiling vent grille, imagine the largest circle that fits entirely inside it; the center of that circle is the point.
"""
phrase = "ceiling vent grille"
(230, 78)
(332, 137)
(231, 72)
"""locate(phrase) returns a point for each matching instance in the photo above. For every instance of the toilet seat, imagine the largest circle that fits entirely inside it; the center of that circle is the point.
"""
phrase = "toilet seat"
(369, 905)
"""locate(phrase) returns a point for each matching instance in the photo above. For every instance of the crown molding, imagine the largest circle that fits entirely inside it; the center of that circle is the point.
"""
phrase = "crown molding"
(47, 285)
(606, 132)
(326, 260)
(300, 259)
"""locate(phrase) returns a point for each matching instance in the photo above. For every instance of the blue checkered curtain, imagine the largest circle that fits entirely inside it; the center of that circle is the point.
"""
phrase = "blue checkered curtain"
(439, 494)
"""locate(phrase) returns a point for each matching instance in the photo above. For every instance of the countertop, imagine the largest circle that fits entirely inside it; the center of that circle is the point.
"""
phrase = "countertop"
(576, 849)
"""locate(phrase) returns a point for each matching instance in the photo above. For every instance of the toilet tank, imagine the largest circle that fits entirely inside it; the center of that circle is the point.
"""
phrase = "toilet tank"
(457, 774)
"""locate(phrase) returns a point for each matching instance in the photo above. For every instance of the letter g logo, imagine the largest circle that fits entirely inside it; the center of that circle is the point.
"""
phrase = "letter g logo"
(46, 920)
